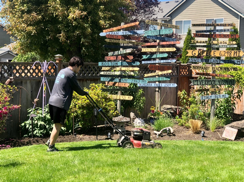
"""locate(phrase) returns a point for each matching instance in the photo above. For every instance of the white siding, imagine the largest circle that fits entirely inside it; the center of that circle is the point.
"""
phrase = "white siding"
(199, 10)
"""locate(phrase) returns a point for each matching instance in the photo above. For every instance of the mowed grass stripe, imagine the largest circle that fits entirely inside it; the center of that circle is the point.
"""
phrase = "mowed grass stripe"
(104, 161)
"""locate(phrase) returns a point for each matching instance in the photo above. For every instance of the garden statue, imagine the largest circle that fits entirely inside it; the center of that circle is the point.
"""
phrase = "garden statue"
(132, 117)
(169, 130)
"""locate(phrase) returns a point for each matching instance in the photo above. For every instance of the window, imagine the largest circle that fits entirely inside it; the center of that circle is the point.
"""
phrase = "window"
(184, 25)
(153, 27)
(218, 20)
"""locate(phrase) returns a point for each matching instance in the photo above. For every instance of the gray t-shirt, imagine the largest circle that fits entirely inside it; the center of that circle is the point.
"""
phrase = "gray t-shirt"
(63, 88)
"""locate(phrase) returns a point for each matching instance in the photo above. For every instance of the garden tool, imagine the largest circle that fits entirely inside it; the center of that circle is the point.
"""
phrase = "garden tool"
(141, 137)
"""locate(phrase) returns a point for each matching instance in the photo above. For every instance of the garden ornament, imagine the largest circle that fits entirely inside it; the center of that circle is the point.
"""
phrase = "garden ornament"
(44, 84)
(139, 122)
(132, 117)
(169, 130)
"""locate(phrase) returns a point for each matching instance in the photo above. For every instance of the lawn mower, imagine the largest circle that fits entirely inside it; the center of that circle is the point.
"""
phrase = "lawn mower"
(141, 137)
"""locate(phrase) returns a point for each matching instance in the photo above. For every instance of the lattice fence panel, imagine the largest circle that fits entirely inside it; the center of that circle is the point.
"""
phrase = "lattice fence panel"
(89, 70)
(185, 70)
(25, 70)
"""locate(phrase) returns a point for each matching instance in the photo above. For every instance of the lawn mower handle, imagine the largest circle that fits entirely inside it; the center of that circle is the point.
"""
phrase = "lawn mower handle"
(110, 122)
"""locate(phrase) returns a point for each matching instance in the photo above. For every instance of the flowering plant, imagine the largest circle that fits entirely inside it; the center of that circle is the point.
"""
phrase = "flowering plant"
(6, 93)
(153, 113)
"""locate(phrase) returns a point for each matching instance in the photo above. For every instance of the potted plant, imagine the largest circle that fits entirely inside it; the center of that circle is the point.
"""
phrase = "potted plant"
(154, 114)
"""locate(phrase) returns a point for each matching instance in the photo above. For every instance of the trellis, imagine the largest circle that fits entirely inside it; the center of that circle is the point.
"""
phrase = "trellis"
(22, 71)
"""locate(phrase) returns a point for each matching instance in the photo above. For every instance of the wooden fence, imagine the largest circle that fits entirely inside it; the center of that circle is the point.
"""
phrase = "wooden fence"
(28, 80)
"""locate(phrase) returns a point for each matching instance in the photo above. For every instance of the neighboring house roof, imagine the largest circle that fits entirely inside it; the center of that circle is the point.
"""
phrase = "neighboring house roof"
(164, 8)
(3, 52)
(179, 3)
(235, 5)
(7, 50)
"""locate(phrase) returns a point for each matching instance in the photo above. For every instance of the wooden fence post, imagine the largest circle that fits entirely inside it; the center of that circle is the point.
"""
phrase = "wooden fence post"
(59, 61)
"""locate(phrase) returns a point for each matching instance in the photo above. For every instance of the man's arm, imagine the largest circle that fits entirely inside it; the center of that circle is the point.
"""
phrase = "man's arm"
(76, 87)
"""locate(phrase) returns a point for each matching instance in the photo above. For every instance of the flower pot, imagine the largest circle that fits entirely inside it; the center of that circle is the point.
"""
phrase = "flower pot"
(152, 120)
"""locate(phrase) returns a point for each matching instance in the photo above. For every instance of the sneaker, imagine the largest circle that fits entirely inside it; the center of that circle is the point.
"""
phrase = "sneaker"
(52, 149)
(47, 143)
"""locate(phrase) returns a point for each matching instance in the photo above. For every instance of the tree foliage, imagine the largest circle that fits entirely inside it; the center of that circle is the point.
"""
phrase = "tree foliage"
(28, 57)
(143, 9)
(187, 46)
(69, 28)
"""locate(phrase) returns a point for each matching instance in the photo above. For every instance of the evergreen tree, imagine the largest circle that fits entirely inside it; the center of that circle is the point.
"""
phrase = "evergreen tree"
(237, 40)
(208, 48)
(187, 42)
(218, 50)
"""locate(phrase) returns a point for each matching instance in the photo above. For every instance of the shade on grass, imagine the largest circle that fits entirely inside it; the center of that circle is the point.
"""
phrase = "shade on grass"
(104, 161)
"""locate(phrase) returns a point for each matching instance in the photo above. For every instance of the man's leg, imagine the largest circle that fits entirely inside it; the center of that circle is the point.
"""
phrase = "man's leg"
(55, 133)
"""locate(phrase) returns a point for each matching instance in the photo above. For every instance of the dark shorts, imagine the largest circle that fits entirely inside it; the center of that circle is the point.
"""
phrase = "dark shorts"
(57, 114)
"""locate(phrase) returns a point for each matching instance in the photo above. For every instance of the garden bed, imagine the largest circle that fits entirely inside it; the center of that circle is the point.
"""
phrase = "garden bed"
(180, 133)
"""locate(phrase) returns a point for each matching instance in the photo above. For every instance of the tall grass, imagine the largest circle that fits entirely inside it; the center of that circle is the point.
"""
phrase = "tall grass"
(215, 123)
(195, 125)
(163, 122)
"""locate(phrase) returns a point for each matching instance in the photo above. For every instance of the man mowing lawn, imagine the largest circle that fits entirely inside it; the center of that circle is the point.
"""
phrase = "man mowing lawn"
(60, 99)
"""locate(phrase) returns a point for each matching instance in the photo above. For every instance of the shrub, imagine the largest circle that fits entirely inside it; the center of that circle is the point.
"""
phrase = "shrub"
(6, 94)
(195, 125)
(42, 124)
(194, 113)
(82, 110)
(185, 100)
(138, 101)
(163, 122)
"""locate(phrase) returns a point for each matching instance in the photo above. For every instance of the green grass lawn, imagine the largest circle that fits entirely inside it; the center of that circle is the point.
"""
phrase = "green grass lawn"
(104, 161)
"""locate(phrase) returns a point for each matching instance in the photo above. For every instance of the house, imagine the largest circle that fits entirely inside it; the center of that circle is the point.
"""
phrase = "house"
(188, 12)
(5, 38)
(6, 54)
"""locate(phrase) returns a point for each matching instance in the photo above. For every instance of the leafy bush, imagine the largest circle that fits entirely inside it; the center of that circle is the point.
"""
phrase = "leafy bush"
(28, 57)
(225, 109)
(6, 94)
(195, 113)
(185, 100)
(42, 124)
(138, 101)
(82, 110)
(163, 122)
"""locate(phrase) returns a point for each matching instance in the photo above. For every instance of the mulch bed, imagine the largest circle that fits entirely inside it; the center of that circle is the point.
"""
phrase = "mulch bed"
(180, 133)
